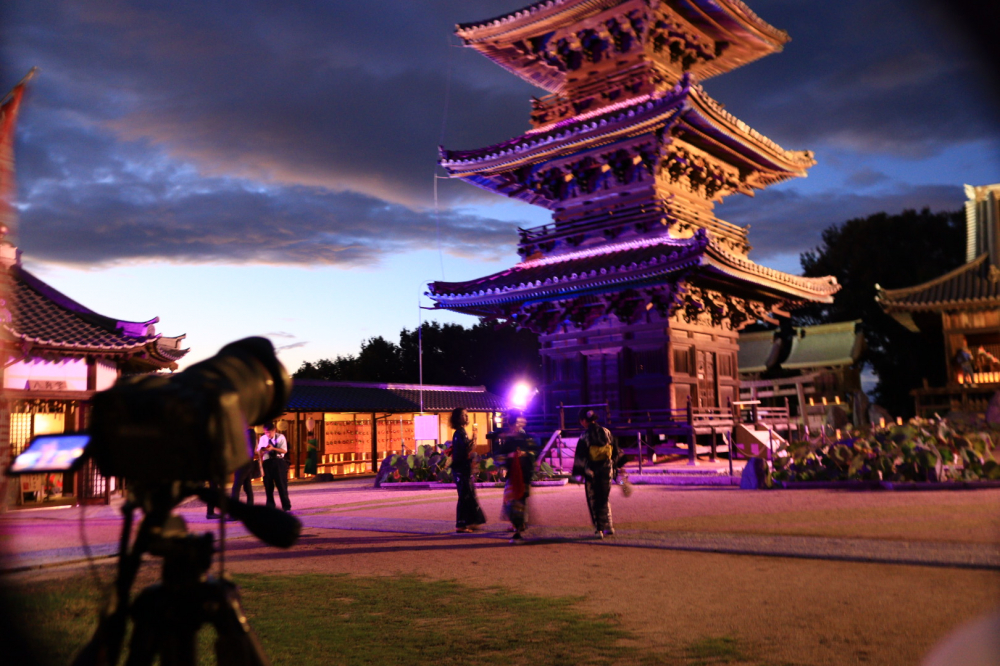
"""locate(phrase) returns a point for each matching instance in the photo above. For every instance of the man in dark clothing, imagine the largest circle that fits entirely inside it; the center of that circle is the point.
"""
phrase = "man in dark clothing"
(272, 448)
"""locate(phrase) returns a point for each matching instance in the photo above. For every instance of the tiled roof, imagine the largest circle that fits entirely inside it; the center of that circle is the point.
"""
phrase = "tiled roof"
(758, 351)
(321, 396)
(631, 117)
(747, 37)
(825, 346)
(617, 266)
(527, 14)
(976, 284)
(45, 318)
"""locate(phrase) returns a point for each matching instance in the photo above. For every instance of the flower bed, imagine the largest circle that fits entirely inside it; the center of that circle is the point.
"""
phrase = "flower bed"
(921, 451)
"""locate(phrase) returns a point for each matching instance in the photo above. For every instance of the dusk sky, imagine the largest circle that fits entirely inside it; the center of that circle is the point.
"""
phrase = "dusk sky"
(268, 167)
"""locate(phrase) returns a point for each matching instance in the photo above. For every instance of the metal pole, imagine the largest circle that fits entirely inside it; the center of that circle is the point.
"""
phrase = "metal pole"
(638, 438)
(420, 349)
(692, 452)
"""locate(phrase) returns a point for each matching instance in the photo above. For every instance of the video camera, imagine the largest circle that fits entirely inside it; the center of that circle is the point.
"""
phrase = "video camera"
(191, 426)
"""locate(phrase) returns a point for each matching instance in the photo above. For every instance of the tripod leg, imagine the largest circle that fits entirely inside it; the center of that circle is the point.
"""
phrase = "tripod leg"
(146, 627)
(237, 644)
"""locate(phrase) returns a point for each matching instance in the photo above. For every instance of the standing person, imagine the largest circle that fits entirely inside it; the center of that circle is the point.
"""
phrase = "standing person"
(272, 449)
(594, 460)
(517, 453)
(468, 514)
(244, 476)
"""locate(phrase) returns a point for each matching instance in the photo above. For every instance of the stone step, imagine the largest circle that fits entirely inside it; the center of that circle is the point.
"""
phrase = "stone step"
(679, 471)
(683, 480)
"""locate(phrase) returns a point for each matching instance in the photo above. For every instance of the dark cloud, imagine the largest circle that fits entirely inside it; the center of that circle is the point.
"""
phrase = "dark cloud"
(786, 221)
(867, 178)
(884, 77)
(294, 345)
(264, 131)
(128, 201)
(346, 96)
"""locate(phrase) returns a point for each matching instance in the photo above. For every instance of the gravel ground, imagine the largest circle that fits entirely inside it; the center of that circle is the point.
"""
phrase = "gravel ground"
(808, 597)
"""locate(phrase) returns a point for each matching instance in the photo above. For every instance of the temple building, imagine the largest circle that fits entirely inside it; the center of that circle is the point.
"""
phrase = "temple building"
(637, 291)
(807, 368)
(964, 306)
(57, 354)
(355, 425)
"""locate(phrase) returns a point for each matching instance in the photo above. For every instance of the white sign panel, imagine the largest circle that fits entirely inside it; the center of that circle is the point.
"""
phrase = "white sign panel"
(425, 427)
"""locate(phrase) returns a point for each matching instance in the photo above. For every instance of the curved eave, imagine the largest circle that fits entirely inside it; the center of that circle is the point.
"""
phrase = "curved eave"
(731, 21)
(940, 306)
(701, 122)
(70, 348)
(780, 284)
(608, 279)
(895, 300)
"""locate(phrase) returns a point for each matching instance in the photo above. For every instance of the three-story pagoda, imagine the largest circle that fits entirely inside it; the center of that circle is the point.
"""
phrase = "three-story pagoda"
(636, 289)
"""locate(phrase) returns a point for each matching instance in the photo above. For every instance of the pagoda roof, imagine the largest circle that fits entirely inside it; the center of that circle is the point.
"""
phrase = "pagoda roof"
(44, 320)
(364, 397)
(747, 36)
(613, 267)
(971, 286)
(693, 116)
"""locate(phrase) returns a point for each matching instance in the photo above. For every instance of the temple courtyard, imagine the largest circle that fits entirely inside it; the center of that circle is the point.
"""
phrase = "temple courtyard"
(693, 575)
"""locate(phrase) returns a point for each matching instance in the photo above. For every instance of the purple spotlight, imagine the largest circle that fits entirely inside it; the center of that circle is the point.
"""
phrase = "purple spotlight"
(521, 395)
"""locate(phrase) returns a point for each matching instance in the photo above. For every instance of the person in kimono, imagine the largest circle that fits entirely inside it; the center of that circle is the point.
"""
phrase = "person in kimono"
(594, 460)
(518, 451)
(468, 514)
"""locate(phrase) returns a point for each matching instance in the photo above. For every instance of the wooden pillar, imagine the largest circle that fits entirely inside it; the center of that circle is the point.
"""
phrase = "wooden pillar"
(374, 439)
(299, 425)
(692, 452)
(800, 394)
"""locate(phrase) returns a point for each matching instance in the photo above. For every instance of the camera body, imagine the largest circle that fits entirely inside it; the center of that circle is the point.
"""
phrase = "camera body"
(191, 426)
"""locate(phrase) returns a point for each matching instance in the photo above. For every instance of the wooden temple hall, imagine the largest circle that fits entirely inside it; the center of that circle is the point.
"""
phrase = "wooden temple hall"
(637, 291)
(352, 424)
(963, 307)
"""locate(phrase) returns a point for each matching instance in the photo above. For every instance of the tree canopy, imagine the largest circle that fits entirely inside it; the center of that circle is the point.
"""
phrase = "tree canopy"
(892, 251)
(487, 354)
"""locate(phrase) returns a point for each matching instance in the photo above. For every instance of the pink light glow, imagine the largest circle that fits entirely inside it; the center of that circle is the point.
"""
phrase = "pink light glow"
(521, 395)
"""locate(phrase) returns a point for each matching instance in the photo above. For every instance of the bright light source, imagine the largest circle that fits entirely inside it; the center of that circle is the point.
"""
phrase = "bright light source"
(521, 395)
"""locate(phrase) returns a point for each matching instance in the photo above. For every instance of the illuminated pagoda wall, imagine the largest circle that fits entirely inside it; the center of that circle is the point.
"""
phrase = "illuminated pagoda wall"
(964, 305)
(636, 289)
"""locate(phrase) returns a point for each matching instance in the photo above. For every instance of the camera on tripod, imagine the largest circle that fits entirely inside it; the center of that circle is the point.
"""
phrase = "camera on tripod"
(192, 426)
(167, 436)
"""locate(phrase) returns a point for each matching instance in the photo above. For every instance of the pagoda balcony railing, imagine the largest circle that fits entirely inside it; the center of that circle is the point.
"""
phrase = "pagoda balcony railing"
(581, 98)
(611, 227)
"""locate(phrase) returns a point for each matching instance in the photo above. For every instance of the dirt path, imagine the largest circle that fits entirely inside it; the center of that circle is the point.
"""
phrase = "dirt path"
(793, 610)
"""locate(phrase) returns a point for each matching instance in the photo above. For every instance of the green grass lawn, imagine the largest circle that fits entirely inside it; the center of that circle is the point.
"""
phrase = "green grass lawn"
(316, 619)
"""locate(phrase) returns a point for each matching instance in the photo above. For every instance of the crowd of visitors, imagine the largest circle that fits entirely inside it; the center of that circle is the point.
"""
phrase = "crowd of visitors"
(595, 465)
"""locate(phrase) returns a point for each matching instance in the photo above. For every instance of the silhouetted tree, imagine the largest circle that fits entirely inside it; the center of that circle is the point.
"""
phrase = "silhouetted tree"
(488, 354)
(378, 361)
(893, 251)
